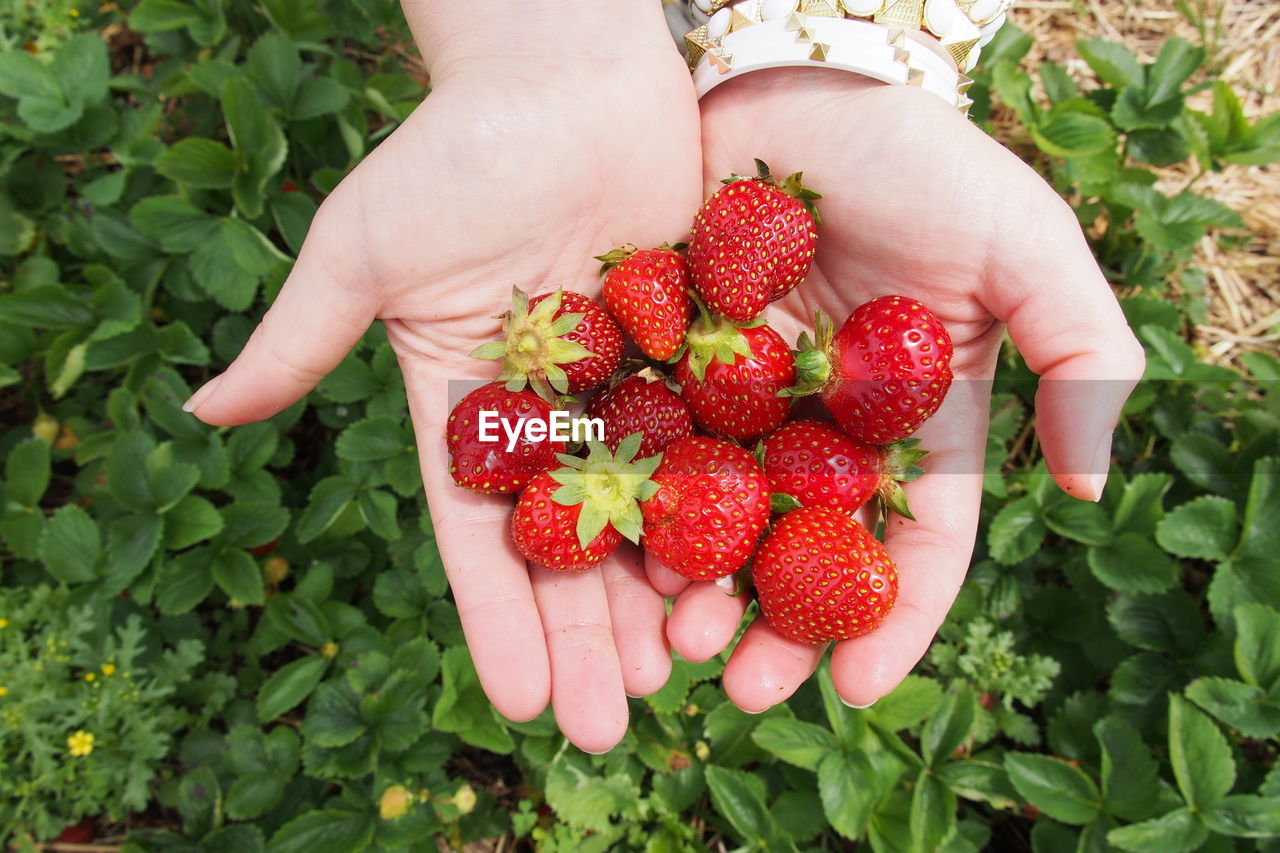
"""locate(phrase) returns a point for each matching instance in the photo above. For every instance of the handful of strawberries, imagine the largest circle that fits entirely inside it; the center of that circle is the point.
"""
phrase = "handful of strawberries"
(698, 461)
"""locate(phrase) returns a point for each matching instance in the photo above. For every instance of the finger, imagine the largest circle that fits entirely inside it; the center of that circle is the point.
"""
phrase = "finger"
(705, 618)
(664, 580)
(1068, 325)
(587, 690)
(489, 578)
(932, 553)
(766, 668)
(639, 615)
(321, 312)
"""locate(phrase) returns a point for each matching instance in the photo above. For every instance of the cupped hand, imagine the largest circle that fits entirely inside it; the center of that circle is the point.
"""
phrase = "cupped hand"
(512, 172)
(917, 201)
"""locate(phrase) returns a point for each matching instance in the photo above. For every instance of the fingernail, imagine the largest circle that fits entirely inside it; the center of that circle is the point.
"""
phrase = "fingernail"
(200, 396)
(601, 752)
(753, 713)
(1100, 468)
(857, 707)
(634, 695)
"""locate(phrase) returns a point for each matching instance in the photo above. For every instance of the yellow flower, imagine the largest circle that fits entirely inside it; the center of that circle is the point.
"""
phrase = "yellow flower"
(108, 669)
(80, 744)
(4, 623)
(89, 676)
(4, 691)
(329, 650)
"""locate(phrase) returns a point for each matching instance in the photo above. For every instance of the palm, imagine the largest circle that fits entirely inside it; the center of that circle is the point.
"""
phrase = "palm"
(495, 182)
(917, 202)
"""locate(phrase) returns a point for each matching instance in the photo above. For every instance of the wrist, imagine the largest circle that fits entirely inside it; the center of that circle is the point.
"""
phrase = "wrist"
(457, 35)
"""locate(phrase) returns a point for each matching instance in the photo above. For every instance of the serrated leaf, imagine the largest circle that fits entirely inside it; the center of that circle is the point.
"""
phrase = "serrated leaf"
(933, 813)
(795, 742)
(1205, 528)
(1245, 816)
(588, 802)
(1016, 531)
(1053, 786)
(324, 832)
(1257, 648)
(1244, 707)
(1130, 786)
(1200, 755)
(1176, 832)
(203, 163)
(333, 715)
(71, 545)
(289, 686)
(1133, 564)
(949, 726)
(27, 471)
(372, 440)
(740, 798)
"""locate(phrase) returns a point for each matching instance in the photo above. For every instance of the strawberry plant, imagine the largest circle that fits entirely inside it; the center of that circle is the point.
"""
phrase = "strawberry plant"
(277, 663)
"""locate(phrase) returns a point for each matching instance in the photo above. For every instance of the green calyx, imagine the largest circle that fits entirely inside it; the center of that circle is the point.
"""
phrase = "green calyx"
(535, 347)
(609, 486)
(792, 185)
(900, 466)
(609, 260)
(813, 362)
(713, 338)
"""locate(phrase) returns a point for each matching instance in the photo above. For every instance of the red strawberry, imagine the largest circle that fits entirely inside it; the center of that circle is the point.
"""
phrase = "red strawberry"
(486, 466)
(711, 505)
(753, 242)
(884, 373)
(558, 341)
(637, 405)
(820, 576)
(573, 517)
(731, 377)
(817, 466)
(647, 291)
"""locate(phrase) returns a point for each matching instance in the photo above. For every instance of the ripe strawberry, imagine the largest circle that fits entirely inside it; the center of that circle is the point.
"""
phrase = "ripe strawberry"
(486, 466)
(753, 242)
(710, 507)
(884, 373)
(573, 517)
(647, 291)
(817, 466)
(638, 405)
(561, 342)
(731, 378)
(820, 576)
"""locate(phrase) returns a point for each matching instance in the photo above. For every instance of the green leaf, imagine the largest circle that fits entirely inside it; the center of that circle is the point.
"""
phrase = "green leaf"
(1016, 531)
(1083, 521)
(318, 96)
(588, 802)
(908, 703)
(949, 727)
(1257, 648)
(795, 742)
(1133, 564)
(1176, 832)
(82, 69)
(1245, 816)
(372, 440)
(327, 831)
(333, 715)
(1244, 707)
(1200, 755)
(1068, 133)
(1177, 61)
(253, 796)
(1132, 111)
(740, 798)
(275, 66)
(1260, 536)
(933, 813)
(328, 500)
(1114, 63)
(192, 519)
(850, 787)
(1168, 623)
(395, 711)
(239, 576)
(173, 222)
(71, 545)
(161, 15)
(199, 799)
(1204, 528)
(300, 618)
(253, 523)
(378, 509)
(131, 543)
(1053, 786)
(201, 163)
(22, 75)
(289, 686)
(45, 307)
(184, 582)
(27, 470)
(1130, 787)
(257, 137)
(401, 594)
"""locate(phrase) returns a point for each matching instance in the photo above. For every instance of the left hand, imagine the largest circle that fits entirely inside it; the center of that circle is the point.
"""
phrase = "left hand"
(917, 201)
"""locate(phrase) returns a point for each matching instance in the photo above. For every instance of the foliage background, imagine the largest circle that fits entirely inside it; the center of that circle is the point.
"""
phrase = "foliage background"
(254, 626)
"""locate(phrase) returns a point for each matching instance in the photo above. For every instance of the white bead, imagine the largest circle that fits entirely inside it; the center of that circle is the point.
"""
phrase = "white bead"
(941, 16)
(719, 23)
(990, 29)
(775, 9)
(983, 10)
(704, 6)
(698, 16)
(972, 62)
(986, 37)
(862, 7)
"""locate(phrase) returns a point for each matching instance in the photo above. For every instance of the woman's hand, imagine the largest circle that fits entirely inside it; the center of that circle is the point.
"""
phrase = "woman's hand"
(918, 201)
(559, 138)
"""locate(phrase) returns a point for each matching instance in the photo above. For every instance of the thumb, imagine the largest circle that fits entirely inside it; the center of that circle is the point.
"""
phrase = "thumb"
(1069, 327)
(320, 314)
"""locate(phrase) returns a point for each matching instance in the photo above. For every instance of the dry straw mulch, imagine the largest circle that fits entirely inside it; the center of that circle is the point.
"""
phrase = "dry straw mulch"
(1243, 44)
